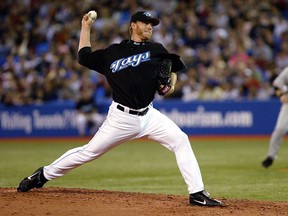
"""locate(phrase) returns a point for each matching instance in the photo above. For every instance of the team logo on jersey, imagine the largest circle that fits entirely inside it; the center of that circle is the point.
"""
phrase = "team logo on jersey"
(133, 61)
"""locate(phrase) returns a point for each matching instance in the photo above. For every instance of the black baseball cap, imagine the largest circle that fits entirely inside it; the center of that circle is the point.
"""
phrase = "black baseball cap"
(144, 16)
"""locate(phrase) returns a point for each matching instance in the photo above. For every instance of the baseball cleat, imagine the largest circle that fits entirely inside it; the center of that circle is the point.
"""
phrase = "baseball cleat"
(36, 180)
(267, 162)
(203, 198)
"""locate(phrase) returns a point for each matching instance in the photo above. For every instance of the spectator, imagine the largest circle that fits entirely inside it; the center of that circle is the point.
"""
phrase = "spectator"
(262, 53)
(87, 116)
(281, 58)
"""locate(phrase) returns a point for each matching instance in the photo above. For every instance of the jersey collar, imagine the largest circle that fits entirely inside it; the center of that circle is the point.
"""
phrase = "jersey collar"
(134, 42)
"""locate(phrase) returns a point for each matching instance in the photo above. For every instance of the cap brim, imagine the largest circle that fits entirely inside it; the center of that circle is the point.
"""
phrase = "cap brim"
(153, 21)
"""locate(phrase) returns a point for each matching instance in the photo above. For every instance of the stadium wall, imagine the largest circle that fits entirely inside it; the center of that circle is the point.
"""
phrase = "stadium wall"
(195, 118)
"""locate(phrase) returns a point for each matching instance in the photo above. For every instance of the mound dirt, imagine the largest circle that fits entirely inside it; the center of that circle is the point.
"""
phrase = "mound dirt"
(67, 201)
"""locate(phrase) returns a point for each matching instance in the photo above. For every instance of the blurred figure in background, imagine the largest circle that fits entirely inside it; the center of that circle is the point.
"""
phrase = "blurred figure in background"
(87, 117)
(281, 90)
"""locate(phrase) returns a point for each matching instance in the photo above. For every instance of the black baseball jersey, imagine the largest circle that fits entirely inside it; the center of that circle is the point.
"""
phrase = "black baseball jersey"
(129, 69)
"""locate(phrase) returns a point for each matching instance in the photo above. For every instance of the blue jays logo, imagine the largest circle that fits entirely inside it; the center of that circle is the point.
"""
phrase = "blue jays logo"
(133, 61)
(147, 14)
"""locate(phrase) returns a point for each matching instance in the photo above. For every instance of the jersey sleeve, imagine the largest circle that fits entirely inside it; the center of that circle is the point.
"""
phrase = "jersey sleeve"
(92, 60)
(161, 48)
(177, 63)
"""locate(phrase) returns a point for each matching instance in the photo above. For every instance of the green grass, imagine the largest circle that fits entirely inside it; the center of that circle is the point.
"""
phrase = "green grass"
(230, 167)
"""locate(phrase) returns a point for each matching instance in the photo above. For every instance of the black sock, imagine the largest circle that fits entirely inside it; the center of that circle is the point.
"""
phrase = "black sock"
(42, 177)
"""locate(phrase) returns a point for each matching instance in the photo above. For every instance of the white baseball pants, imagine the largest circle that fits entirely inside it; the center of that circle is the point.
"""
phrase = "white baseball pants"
(120, 127)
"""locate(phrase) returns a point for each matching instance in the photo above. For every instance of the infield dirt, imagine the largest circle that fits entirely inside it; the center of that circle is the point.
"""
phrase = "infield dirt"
(68, 201)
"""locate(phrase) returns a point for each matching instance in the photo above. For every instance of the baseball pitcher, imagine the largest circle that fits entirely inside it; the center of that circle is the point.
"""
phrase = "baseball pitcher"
(136, 69)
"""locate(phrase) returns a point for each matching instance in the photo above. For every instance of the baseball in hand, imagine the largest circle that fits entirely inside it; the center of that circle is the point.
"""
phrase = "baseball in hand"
(93, 15)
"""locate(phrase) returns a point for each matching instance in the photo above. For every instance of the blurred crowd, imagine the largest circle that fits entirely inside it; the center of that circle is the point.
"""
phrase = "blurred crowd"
(233, 49)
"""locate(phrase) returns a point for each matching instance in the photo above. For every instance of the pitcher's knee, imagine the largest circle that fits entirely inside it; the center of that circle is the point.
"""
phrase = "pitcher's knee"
(182, 139)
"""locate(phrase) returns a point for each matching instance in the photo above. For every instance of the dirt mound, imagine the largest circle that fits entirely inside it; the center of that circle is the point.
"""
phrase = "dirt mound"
(67, 201)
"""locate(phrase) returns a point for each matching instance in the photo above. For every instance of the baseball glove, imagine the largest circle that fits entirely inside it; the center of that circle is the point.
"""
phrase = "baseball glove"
(177, 63)
(164, 72)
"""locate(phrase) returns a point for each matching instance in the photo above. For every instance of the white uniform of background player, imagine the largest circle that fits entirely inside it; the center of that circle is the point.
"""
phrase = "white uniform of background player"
(281, 90)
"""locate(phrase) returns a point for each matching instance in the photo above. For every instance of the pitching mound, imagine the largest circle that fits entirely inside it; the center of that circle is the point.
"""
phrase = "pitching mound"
(61, 201)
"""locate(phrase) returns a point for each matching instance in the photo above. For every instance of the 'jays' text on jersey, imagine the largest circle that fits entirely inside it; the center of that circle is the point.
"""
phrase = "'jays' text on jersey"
(129, 68)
